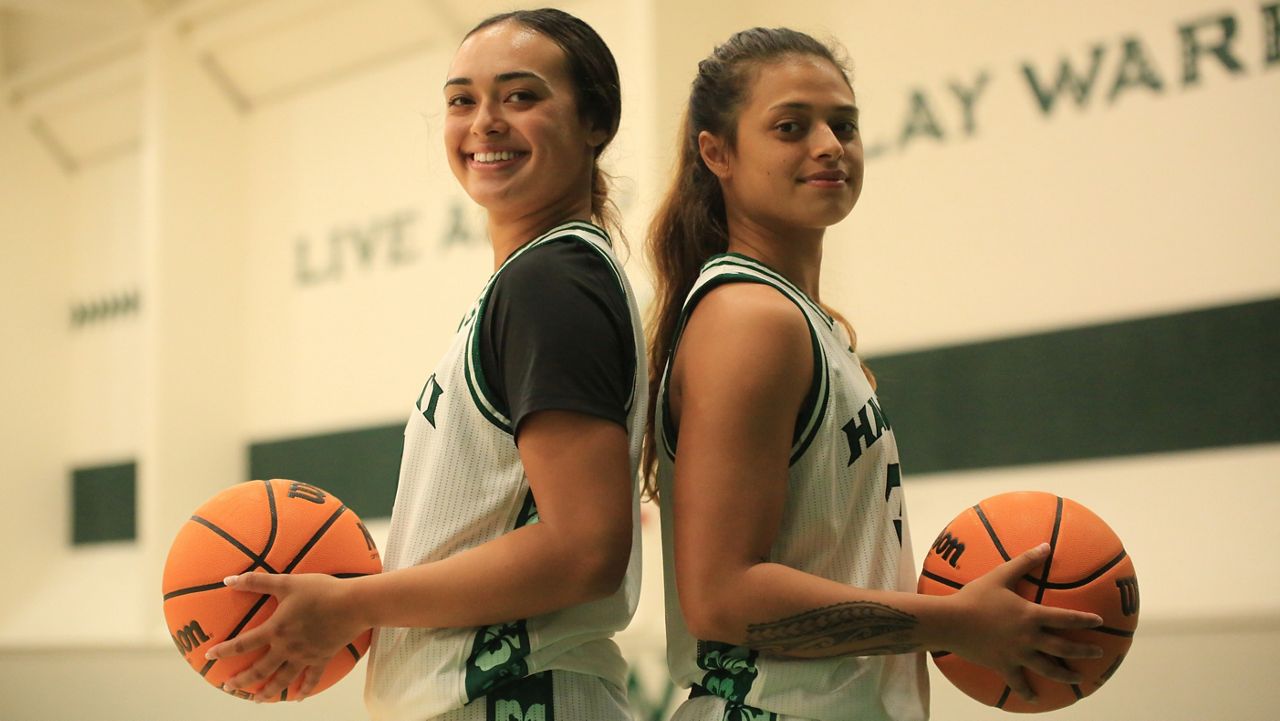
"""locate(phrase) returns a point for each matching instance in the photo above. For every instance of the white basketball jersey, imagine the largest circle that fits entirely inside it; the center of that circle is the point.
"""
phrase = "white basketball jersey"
(462, 484)
(844, 520)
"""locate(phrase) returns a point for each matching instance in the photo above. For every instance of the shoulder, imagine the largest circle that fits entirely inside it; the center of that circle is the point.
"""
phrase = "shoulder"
(564, 257)
(751, 328)
(753, 311)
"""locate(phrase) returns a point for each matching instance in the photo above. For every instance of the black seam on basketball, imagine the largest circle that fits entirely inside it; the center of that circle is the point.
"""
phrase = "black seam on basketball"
(350, 575)
(1004, 697)
(1112, 631)
(315, 538)
(1091, 577)
(284, 694)
(1075, 688)
(271, 505)
(194, 589)
(939, 654)
(944, 581)
(355, 653)
(257, 561)
(239, 627)
(991, 532)
(249, 616)
(1053, 547)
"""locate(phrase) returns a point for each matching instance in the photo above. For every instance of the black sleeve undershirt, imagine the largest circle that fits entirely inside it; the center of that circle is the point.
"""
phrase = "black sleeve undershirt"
(556, 335)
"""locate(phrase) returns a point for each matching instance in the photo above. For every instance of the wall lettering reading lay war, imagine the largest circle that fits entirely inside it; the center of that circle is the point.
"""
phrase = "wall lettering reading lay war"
(1209, 49)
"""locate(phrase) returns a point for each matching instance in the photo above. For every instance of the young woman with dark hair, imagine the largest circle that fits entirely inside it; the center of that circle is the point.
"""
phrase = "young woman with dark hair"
(513, 554)
(790, 585)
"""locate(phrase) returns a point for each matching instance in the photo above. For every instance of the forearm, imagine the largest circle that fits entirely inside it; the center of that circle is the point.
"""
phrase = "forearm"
(527, 572)
(777, 609)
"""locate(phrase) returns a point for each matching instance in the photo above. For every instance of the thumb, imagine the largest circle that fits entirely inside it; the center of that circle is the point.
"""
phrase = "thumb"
(256, 582)
(1015, 568)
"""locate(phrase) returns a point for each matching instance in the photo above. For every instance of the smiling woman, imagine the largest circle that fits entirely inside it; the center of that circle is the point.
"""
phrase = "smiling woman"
(513, 553)
(805, 606)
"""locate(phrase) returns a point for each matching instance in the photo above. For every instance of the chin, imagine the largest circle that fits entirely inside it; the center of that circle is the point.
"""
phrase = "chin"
(825, 218)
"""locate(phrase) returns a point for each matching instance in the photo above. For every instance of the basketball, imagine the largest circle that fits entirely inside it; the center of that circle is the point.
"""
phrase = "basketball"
(1087, 570)
(276, 526)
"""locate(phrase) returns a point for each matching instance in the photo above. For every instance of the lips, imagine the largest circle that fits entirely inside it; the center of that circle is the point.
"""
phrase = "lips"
(826, 176)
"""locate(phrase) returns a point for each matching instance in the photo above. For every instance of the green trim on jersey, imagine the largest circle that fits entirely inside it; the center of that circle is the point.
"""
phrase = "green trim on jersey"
(486, 401)
(499, 651)
(731, 671)
(744, 260)
(814, 406)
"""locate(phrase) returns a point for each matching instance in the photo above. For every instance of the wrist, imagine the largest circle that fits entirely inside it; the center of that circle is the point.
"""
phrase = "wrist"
(944, 624)
(351, 601)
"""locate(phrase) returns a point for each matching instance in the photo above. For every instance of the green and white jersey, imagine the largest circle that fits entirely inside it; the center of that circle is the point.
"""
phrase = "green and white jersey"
(461, 485)
(844, 520)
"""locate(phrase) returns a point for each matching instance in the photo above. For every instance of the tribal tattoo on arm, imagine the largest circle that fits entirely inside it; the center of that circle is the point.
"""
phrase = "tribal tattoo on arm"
(837, 625)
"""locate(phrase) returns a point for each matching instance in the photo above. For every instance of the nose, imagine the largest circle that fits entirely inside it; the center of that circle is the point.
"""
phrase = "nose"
(826, 145)
(488, 119)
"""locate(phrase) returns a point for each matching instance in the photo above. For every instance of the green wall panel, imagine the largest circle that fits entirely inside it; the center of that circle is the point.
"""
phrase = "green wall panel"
(1177, 382)
(1184, 381)
(359, 466)
(103, 503)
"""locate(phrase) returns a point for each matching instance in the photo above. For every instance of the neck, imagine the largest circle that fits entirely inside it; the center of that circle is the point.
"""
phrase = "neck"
(509, 231)
(796, 253)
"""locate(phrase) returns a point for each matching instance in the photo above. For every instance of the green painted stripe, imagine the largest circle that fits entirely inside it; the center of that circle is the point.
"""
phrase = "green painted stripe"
(1192, 380)
(1200, 379)
(103, 503)
(361, 466)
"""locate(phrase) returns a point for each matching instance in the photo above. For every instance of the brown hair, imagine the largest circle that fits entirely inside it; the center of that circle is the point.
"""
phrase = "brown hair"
(690, 225)
(595, 83)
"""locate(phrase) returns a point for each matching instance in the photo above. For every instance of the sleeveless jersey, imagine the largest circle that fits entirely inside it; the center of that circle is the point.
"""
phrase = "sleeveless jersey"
(462, 484)
(844, 521)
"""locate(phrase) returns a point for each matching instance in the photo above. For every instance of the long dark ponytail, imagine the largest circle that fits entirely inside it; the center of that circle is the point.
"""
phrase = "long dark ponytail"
(690, 225)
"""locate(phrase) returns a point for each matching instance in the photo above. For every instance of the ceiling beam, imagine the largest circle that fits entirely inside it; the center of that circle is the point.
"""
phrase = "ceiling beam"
(80, 11)
(6, 62)
(148, 9)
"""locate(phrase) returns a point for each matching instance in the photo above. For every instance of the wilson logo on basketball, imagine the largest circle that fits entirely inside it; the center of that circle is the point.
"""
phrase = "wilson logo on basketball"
(1128, 587)
(189, 637)
(306, 493)
(949, 548)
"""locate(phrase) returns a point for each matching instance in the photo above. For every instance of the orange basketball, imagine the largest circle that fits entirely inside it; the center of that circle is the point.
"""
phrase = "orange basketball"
(275, 526)
(1087, 570)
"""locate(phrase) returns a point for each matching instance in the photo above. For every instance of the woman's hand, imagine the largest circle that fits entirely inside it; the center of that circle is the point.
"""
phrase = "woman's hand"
(309, 626)
(1005, 632)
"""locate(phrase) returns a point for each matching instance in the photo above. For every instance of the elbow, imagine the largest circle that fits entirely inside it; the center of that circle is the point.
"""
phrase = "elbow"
(707, 617)
(601, 569)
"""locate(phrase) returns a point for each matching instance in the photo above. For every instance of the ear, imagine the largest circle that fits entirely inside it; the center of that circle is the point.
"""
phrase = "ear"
(715, 153)
(597, 137)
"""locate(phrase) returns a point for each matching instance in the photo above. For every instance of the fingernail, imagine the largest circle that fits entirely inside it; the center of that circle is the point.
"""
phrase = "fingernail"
(229, 580)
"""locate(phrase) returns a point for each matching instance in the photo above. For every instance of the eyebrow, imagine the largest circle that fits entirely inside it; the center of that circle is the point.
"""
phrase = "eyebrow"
(850, 109)
(500, 78)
